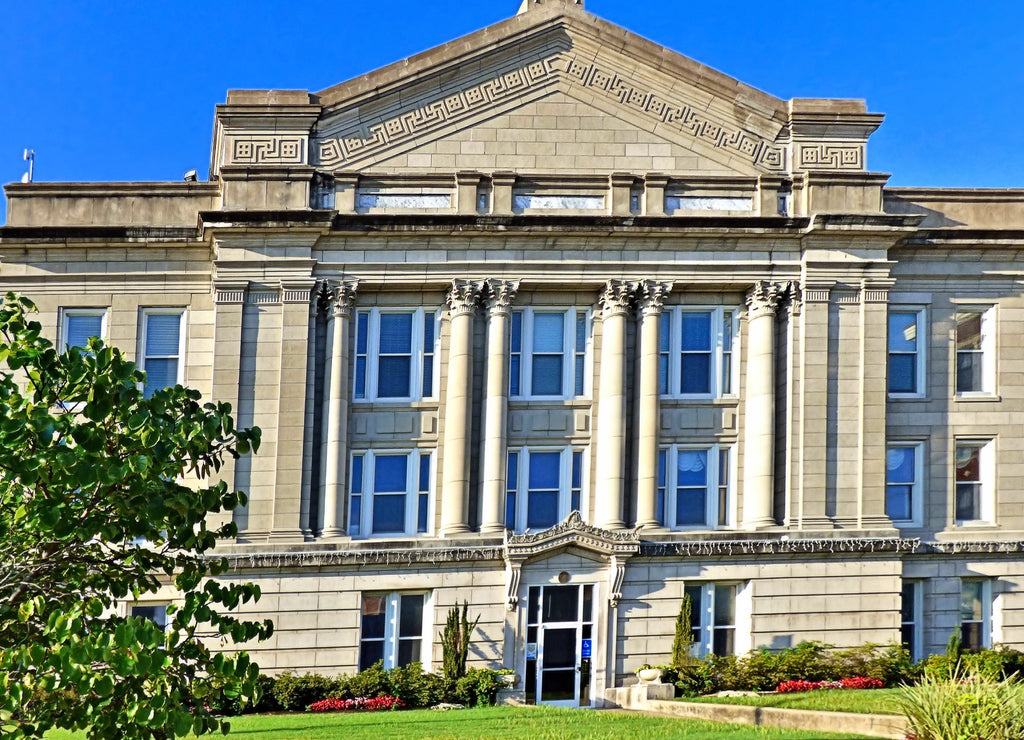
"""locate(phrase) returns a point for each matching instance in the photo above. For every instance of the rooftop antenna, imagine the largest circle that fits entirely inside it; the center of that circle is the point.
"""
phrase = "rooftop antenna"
(30, 157)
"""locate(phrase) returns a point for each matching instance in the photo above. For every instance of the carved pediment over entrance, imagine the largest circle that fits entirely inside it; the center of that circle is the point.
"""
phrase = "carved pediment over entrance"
(575, 533)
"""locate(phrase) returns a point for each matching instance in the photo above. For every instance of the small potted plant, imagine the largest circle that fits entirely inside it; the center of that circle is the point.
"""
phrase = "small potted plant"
(508, 677)
(648, 673)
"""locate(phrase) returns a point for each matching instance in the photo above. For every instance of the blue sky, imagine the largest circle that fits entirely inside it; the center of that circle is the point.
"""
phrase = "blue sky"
(126, 91)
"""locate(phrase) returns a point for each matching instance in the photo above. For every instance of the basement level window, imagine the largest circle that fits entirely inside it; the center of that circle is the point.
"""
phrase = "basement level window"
(706, 203)
(558, 202)
(400, 200)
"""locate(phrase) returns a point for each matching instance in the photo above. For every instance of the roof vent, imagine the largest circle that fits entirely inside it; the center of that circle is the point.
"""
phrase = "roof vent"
(529, 5)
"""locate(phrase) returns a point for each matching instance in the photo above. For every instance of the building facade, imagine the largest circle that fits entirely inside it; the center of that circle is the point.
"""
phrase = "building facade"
(556, 321)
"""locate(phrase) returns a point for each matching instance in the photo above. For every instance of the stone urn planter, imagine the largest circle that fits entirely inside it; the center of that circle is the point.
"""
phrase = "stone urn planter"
(649, 675)
(509, 680)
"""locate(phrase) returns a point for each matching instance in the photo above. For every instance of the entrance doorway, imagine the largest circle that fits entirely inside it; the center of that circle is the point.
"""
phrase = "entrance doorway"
(560, 645)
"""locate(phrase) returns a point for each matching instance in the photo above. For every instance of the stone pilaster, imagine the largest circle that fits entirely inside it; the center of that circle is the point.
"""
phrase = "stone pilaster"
(341, 298)
(616, 300)
(650, 297)
(229, 298)
(500, 295)
(759, 419)
(463, 298)
(874, 308)
(811, 505)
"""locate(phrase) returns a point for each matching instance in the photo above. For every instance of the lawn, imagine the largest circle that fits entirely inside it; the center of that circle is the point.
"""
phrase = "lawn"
(869, 701)
(529, 723)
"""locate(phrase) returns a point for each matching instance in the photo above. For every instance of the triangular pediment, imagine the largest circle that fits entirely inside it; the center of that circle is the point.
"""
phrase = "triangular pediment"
(572, 534)
(505, 74)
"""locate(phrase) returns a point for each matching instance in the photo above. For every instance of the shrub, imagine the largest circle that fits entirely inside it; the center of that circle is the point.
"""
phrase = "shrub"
(455, 643)
(295, 693)
(478, 688)
(994, 664)
(964, 705)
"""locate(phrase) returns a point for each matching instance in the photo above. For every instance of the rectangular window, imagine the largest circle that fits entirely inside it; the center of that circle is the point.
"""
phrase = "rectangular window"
(713, 608)
(906, 355)
(544, 486)
(903, 488)
(694, 487)
(911, 617)
(975, 352)
(390, 493)
(394, 629)
(395, 354)
(163, 346)
(976, 613)
(695, 353)
(155, 613)
(78, 325)
(974, 482)
(547, 353)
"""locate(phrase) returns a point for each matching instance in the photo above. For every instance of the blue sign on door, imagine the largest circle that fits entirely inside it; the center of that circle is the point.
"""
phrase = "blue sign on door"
(586, 648)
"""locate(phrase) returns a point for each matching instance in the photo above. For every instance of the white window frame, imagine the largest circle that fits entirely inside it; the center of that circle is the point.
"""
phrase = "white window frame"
(986, 609)
(565, 488)
(412, 493)
(987, 481)
(417, 351)
(671, 320)
(569, 353)
(714, 477)
(916, 622)
(143, 331)
(917, 485)
(987, 351)
(707, 626)
(921, 351)
(66, 314)
(391, 616)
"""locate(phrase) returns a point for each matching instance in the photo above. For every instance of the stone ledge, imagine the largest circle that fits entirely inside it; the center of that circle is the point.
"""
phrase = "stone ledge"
(654, 698)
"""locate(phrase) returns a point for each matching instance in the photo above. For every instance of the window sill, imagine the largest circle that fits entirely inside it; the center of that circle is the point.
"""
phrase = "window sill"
(977, 398)
(975, 525)
(918, 397)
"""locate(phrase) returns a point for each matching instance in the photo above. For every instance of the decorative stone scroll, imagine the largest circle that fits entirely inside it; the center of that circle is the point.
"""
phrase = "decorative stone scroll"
(358, 143)
(616, 546)
(678, 115)
(500, 294)
(763, 299)
(651, 295)
(831, 157)
(616, 575)
(616, 297)
(267, 150)
(342, 296)
(464, 296)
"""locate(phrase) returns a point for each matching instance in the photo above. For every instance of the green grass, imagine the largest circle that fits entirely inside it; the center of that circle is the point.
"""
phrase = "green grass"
(869, 701)
(528, 723)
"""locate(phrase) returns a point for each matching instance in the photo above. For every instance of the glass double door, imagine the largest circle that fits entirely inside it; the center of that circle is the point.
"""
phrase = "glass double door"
(560, 645)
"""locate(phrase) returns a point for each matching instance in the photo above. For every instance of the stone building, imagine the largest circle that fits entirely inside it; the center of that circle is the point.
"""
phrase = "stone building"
(557, 321)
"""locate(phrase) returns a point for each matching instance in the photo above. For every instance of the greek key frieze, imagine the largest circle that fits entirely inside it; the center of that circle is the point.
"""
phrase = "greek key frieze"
(831, 157)
(268, 150)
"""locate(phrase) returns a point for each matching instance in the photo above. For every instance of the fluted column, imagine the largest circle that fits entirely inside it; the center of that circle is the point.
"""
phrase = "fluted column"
(341, 297)
(759, 419)
(462, 302)
(611, 415)
(650, 302)
(500, 294)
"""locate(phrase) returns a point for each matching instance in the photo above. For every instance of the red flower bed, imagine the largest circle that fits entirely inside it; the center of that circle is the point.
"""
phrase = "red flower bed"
(359, 704)
(856, 682)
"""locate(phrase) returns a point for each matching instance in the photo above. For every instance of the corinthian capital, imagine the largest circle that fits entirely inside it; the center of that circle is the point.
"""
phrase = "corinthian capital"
(763, 299)
(464, 296)
(616, 297)
(500, 296)
(341, 296)
(651, 295)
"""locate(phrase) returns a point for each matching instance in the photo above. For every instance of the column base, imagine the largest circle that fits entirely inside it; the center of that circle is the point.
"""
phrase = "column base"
(651, 525)
(761, 523)
(615, 524)
(492, 529)
(331, 533)
(455, 530)
(286, 535)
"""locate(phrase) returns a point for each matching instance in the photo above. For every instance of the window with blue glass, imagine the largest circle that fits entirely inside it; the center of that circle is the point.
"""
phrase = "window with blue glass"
(162, 348)
(543, 486)
(903, 483)
(79, 325)
(906, 367)
(694, 487)
(696, 350)
(548, 352)
(395, 353)
(390, 493)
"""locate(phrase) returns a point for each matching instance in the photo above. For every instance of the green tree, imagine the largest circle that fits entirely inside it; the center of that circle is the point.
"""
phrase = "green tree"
(455, 643)
(93, 511)
(682, 643)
